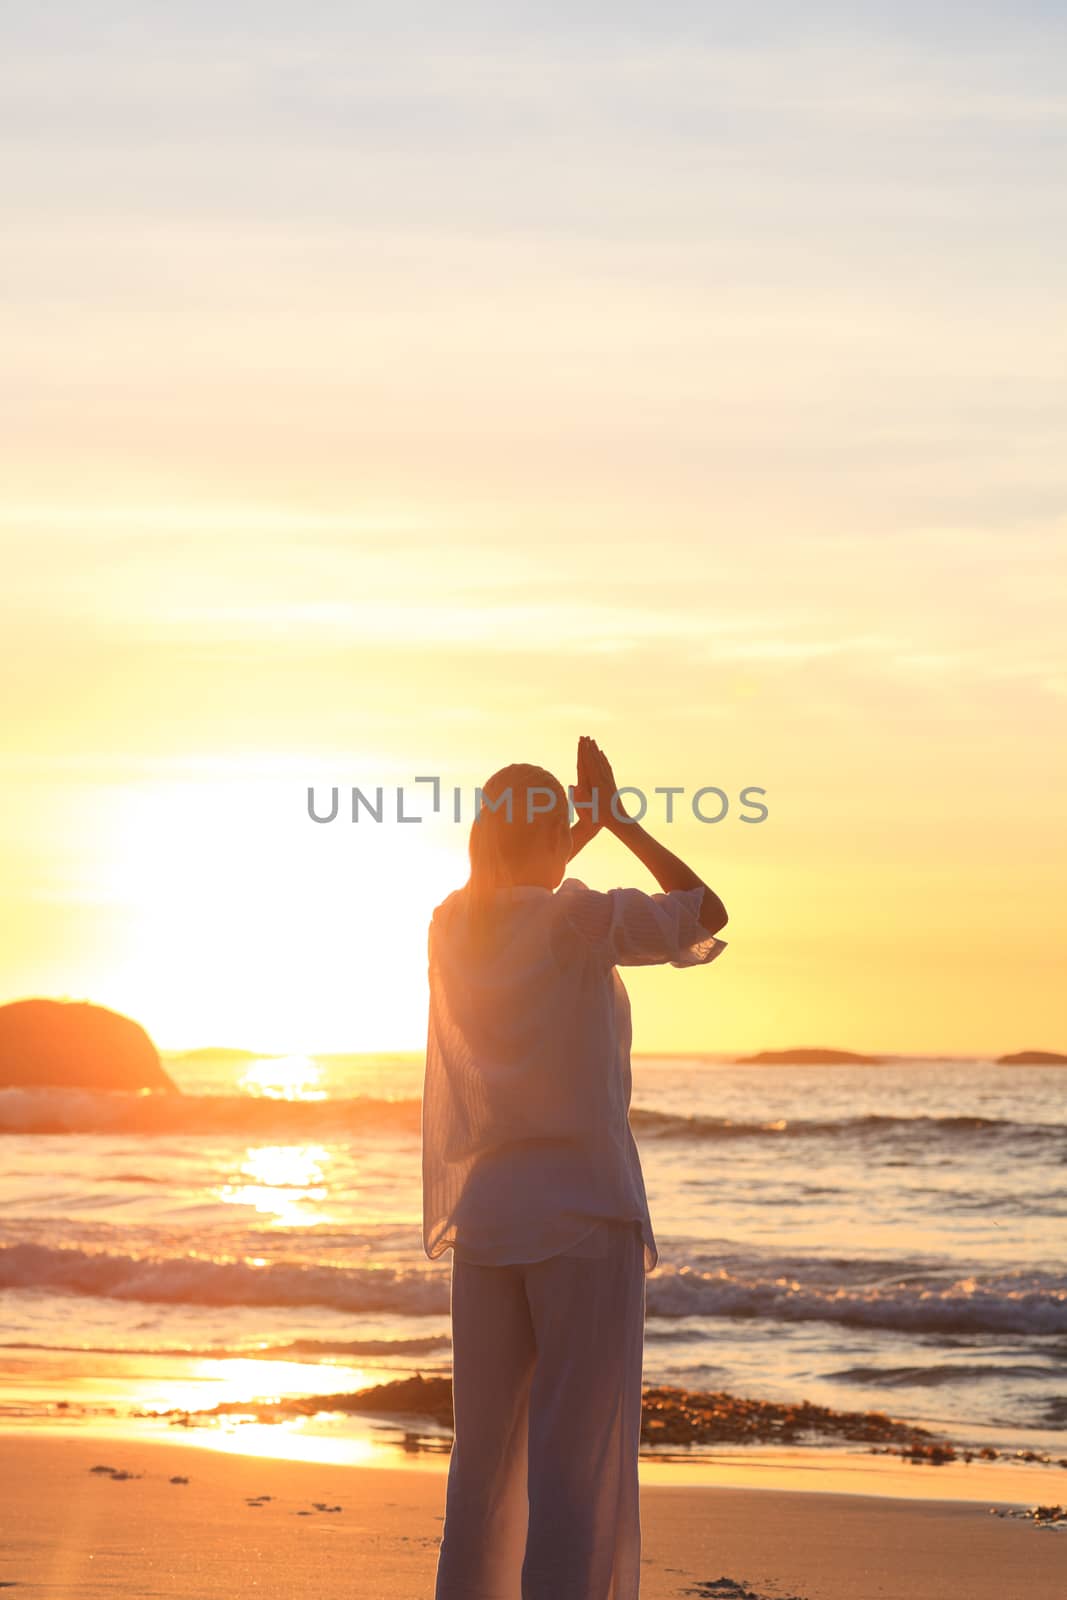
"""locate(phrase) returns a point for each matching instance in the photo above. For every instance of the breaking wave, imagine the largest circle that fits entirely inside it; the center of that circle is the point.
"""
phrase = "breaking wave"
(59, 1111)
(85, 1111)
(1020, 1303)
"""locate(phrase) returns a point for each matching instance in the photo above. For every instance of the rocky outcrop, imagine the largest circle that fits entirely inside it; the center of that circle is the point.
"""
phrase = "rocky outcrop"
(73, 1044)
(1032, 1058)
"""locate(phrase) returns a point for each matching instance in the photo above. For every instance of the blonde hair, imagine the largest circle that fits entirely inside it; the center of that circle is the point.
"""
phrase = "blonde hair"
(510, 819)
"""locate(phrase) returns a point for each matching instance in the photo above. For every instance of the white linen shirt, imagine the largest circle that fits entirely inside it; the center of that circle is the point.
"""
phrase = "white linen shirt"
(526, 1139)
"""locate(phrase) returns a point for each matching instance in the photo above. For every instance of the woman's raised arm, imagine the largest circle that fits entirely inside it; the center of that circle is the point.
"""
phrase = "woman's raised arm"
(669, 870)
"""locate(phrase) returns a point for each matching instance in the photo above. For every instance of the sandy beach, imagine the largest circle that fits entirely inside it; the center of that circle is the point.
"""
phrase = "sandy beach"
(193, 1522)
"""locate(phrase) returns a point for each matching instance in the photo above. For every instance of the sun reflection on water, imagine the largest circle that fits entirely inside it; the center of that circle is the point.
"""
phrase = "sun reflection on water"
(289, 1442)
(287, 1183)
(236, 1380)
(284, 1078)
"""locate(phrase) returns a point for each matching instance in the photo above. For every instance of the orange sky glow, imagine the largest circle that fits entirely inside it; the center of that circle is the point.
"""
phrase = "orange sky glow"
(705, 397)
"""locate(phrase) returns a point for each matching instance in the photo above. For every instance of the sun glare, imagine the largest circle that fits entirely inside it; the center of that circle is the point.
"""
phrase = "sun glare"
(246, 924)
(239, 1379)
(284, 1078)
(287, 1184)
(290, 1442)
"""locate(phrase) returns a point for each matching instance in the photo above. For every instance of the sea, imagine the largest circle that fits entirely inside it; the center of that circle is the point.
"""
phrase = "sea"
(886, 1237)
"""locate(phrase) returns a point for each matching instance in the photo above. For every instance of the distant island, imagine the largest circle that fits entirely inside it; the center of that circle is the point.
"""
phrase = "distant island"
(817, 1057)
(1032, 1058)
(209, 1053)
(72, 1044)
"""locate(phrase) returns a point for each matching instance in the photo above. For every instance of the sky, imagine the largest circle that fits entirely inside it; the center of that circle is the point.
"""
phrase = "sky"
(407, 391)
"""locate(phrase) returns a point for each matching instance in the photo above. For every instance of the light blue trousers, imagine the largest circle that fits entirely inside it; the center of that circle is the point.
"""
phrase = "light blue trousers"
(542, 1500)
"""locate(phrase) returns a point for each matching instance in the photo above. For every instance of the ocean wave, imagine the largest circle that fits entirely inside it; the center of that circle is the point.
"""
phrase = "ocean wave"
(85, 1111)
(1022, 1303)
(307, 1350)
(936, 1376)
(1053, 1412)
(670, 1125)
(203, 1281)
(72, 1111)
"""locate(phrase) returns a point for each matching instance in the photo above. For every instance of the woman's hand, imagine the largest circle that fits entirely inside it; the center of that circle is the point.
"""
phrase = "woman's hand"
(584, 827)
(596, 779)
(582, 788)
(669, 870)
(600, 781)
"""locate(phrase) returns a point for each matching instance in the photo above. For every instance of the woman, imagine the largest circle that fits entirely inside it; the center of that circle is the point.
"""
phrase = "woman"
(532, 1178)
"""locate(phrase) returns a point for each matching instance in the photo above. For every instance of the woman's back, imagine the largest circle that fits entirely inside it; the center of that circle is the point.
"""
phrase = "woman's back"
(526, 1137)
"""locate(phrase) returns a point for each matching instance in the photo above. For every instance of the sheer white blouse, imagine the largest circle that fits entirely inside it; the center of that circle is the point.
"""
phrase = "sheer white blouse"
(526, 1139)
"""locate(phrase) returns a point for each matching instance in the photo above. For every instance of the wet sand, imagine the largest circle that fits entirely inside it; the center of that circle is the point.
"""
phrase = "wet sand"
(240, 1525)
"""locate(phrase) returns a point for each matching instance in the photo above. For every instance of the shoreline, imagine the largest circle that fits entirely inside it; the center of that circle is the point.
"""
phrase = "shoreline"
(170, 1517)
(378, 1443)
(174, 1389)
